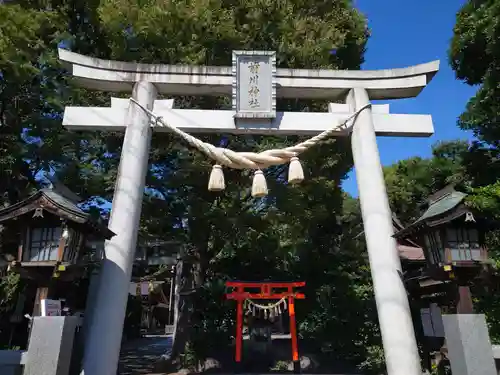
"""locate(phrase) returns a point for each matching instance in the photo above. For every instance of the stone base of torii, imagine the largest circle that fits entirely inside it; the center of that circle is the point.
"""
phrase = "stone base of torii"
(356, 88)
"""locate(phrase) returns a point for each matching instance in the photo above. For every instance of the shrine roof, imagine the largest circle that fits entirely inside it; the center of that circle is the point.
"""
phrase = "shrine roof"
(47, 199)
(56, 203)
(63, 202)
(407, 248)
(412, 253)
(444, 206)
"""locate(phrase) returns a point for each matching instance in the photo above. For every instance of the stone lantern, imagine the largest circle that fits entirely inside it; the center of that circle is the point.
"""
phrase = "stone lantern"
(452, 237)
(49, 237)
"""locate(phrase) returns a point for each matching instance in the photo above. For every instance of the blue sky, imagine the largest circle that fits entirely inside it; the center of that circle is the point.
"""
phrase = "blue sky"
(410, 32)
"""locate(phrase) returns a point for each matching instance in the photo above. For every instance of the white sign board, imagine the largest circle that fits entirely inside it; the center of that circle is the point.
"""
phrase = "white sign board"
(50, 307)
(144, 288)
(254, 84)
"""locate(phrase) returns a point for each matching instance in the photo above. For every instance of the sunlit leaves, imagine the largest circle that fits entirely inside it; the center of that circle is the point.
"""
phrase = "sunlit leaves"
(475, 57)
(410, 182)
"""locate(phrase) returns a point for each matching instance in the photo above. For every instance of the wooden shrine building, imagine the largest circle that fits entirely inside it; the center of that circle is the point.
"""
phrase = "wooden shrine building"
(452, 239)
(48, 239)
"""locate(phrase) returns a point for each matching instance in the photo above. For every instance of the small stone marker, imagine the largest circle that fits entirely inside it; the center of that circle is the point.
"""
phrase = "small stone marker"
(51, 345)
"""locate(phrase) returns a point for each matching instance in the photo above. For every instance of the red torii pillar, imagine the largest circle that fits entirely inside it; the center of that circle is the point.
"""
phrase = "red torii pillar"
(267, 291)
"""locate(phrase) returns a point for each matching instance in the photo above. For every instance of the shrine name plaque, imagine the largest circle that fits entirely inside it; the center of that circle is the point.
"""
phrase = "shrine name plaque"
(254, 84)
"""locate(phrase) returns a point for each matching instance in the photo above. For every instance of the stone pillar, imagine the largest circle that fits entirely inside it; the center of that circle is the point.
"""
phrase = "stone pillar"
(469, 346)
(396, 326)
(105, 334)
(51, 345)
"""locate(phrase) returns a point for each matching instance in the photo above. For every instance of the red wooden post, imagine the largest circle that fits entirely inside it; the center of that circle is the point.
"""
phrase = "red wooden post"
(293, 329)
(239, 327)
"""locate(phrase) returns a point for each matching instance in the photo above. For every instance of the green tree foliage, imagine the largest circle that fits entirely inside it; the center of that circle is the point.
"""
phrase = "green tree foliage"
(33, 93)
(207, 30)
(475, 57)
(9, 288)
(28, 96)
(411, 181)
(25, 37)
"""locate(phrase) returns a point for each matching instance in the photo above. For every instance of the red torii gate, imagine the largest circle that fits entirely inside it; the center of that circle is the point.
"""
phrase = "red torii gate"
(268, 290)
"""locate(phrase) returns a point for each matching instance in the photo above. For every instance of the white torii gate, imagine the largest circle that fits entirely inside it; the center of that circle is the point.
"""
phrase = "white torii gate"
(356, 88)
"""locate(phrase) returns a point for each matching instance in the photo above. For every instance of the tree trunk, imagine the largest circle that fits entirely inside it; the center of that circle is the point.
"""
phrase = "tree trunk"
(178, 341)
(191, 277)
(183, 302)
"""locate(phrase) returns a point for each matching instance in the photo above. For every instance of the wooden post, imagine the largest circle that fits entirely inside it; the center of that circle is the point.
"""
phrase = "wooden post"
(464, 305)
(239, 327)
(293, 333)
(60, 248)
(170, 305)
(22, 244)
(42, 292)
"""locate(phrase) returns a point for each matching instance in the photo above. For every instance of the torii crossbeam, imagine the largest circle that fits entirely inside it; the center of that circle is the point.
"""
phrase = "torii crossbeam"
(254, 111)
(206, 121)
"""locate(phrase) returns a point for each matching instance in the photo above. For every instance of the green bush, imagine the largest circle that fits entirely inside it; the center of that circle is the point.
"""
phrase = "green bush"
(9, 290)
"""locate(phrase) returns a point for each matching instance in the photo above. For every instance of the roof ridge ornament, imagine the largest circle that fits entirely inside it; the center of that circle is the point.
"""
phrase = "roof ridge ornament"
(469, 217)
(38, 212)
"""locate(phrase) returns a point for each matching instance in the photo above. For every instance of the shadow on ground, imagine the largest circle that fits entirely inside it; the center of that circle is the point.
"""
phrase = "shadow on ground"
(143, 357)
(139, 356)
(276, 360)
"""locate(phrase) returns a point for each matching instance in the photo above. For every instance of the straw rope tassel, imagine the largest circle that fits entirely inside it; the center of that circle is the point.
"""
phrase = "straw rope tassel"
(216, 182)
(295, 171)
(259, 185)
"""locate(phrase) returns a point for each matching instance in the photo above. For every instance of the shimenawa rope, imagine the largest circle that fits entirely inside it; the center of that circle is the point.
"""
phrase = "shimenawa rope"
(252, 160)
(271, 310)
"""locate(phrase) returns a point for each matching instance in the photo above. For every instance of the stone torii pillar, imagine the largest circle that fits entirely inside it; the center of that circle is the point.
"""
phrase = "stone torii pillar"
(254, 115)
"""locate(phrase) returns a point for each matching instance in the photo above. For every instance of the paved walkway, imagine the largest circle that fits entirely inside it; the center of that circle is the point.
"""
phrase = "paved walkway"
(139, 356)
